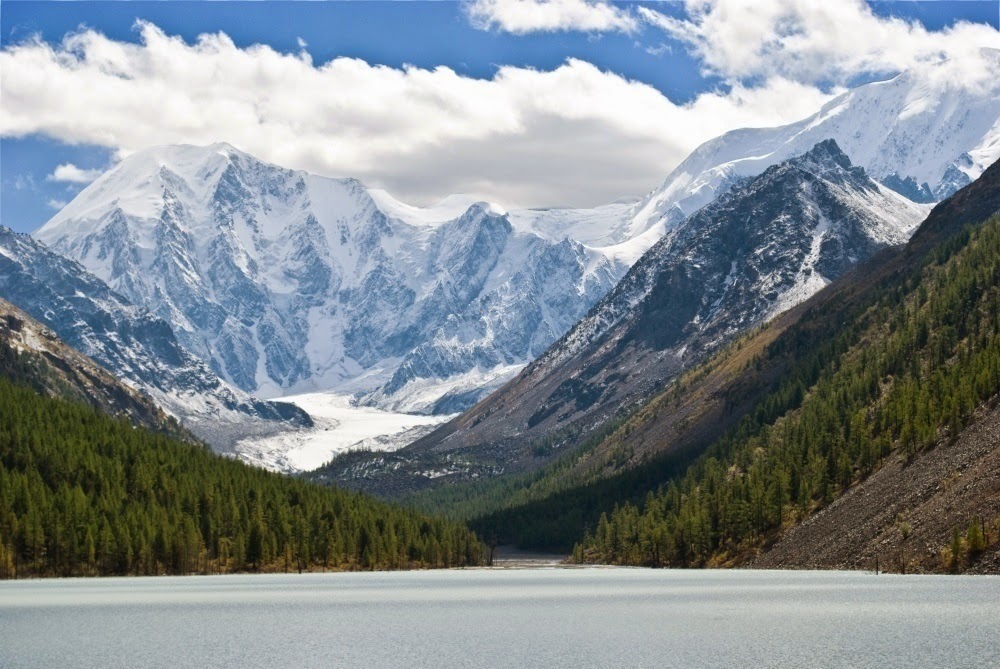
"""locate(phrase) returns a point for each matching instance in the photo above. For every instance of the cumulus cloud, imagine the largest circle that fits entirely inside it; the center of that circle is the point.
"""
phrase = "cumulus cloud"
(572, 135)
(526, 16)
(818, 42)
(70, 173)
(56, 204)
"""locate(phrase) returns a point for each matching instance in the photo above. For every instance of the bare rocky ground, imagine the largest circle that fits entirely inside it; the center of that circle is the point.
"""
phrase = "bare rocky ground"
(937, 491)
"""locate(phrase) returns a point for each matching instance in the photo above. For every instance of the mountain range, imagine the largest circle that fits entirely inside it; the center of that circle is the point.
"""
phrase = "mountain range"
(279, 282)
(920, 133)
(286, 282)
(765, 245)
(726, 371)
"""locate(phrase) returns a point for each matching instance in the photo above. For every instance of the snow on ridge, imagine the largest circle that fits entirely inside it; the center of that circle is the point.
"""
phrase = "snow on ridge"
(285, 281)
(910, 125)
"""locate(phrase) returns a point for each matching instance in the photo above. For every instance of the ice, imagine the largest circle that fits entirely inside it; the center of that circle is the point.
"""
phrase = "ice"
(339, 427)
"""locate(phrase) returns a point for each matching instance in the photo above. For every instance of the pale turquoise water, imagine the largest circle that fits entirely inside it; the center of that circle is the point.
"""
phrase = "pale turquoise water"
(512, 618)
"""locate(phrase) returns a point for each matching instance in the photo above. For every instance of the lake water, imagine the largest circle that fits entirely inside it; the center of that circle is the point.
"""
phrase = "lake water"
(505, 618)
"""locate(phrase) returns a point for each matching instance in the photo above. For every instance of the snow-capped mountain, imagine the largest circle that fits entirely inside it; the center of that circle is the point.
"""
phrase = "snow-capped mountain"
(919, 133)
(136, 346)
(288, 282)
(765, 245)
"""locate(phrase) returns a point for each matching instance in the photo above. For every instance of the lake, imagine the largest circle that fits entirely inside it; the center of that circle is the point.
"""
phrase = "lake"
(505, 618)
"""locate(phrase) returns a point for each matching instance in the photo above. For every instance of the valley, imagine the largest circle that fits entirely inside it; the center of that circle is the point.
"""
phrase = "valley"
(777, 357)
(504, 333)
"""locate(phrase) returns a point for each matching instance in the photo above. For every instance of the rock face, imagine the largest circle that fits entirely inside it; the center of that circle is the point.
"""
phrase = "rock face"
(764, 246)
(33, 355)
(287, 282)
(130, 342)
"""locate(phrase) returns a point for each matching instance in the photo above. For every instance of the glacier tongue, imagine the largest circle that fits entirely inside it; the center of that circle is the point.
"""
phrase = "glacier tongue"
(338, 427)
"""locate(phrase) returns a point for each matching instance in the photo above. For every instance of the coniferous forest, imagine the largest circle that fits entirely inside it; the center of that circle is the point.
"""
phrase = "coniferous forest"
(82, 493)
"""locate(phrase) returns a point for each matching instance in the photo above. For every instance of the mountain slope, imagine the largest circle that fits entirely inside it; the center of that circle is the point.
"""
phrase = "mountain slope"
(904, 515)
(130, 342)
(32, 355)
(285, 282)
(884, 378)
(762, 247)
(924, 359)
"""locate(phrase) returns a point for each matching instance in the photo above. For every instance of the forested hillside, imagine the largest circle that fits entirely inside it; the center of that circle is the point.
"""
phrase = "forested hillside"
(82, 493)
(908, 376)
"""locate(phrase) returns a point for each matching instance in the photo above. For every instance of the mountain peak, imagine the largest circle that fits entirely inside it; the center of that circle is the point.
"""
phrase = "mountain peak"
(224, 147)
(827, 161)
(486, 208)
(825, 153)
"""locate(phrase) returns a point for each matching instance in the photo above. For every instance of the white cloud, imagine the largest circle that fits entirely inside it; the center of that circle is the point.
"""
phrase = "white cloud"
(658, 50)
(526, 16)
(70, 173)
(56, 204)
(25, 182)
(573, 135)
(817, 41)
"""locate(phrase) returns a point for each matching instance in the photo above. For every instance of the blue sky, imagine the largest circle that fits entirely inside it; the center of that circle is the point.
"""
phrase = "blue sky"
(393, 34)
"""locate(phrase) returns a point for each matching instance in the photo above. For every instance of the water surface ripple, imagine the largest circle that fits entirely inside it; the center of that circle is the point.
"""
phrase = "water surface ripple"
(504, 618)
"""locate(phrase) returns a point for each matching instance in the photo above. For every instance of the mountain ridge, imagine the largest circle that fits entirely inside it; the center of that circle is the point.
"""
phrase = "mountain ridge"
(31, 354)
(129, 341)
(913, 126)
(746, 395)
(286, 282)
(883, 419)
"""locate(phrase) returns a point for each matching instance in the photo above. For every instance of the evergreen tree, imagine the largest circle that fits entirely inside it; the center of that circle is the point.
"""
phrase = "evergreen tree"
(82, 493)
